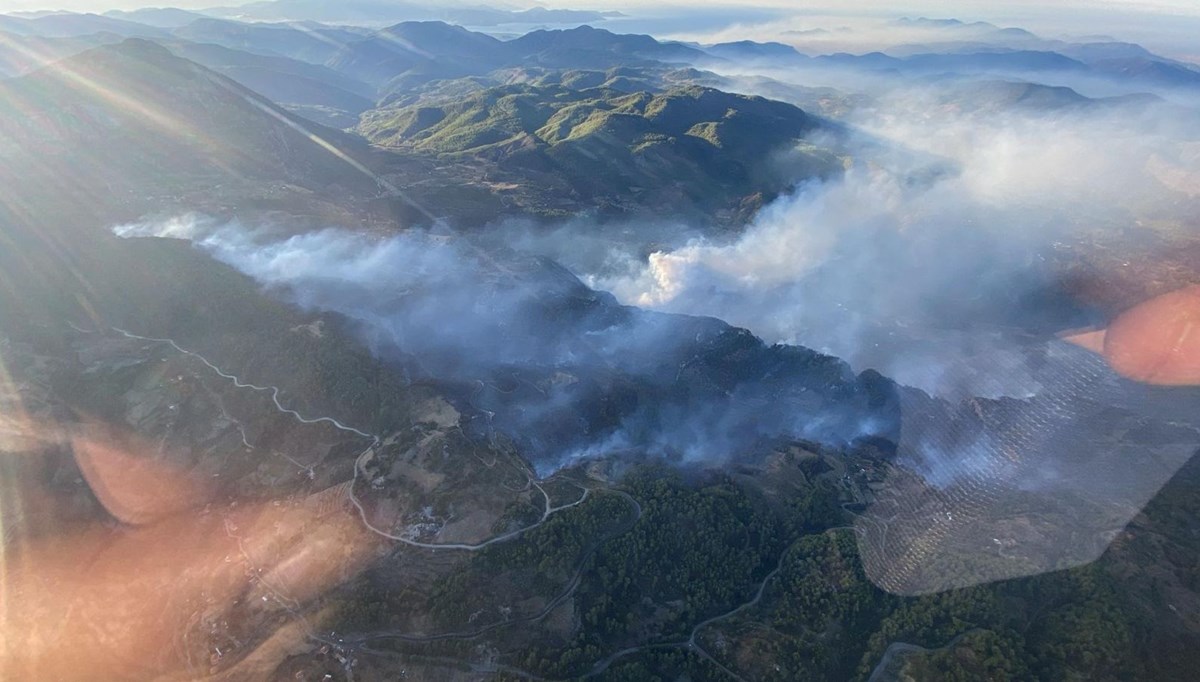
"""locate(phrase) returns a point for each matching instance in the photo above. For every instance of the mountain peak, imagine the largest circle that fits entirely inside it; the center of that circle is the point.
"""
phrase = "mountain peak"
(140, 48)
(427, 25)
(584, 30)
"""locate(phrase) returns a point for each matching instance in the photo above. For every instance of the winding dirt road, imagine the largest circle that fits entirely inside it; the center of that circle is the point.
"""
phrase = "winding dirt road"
(375, 441)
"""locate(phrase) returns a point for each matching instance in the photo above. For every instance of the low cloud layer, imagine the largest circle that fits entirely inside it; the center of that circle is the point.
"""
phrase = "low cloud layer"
(935, 264)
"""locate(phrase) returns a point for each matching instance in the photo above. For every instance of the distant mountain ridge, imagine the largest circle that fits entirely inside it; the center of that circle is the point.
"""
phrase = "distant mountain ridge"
(382, 12)
(66, 25)
(313, 45)
(413, 53)
(318, 92)
(439, 50)
(161, 17)
(175, 127)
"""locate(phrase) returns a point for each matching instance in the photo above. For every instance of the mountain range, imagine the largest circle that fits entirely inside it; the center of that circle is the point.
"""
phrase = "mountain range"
(382, 12)
(308, 257)
(413, 53)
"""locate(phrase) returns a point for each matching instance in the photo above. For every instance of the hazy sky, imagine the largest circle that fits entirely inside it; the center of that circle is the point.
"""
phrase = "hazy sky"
(1170, 26)
(945, 7)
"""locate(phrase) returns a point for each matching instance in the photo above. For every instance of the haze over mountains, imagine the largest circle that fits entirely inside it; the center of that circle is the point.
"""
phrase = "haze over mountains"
(610, 333)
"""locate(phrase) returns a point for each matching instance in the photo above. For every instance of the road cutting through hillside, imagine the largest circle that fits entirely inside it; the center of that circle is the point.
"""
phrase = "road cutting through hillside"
(274, 392)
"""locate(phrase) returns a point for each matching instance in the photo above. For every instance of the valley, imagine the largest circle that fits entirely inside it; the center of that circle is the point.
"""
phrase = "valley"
(460, 351)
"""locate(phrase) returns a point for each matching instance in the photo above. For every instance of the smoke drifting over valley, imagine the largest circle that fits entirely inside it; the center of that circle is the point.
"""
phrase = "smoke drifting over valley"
(940, 253)
(907, 309)
(562, 370)
(436, 341)
(948, 258)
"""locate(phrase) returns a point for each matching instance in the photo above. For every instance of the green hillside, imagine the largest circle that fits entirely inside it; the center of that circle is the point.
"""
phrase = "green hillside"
(705, 145)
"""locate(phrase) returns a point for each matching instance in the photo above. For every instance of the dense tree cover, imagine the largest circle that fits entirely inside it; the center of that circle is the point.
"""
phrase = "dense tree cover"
(542, 562)
(702, 549)
(823, 608)
(698, 550)
(822, 620)
(821, 585)
(979, 655)
(704, 546)
(663, 665)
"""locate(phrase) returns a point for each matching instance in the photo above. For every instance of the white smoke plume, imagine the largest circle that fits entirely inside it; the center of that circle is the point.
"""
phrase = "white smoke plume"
(565, 371)
(913, 268)
(936, 260)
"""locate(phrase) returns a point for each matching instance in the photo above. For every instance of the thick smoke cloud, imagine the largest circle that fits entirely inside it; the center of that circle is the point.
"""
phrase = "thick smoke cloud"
(938, 260)
(935, 265)
(561, 370)
(566, 374)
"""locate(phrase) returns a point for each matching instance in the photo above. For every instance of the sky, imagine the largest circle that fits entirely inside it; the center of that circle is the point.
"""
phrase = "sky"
(944, 7)
(1167, 26)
